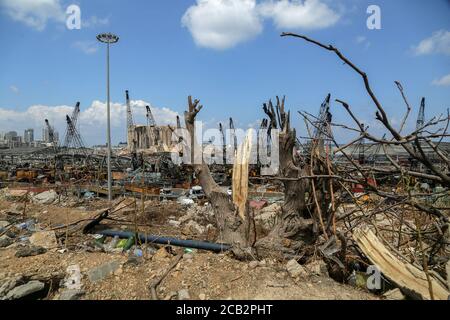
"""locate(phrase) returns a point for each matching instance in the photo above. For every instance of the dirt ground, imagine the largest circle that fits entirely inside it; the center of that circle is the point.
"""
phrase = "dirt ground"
(205, 275)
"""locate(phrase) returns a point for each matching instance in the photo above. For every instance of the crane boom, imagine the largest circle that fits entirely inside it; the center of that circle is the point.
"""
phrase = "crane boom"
(129, 113)
(51, 135)
(421, 117)
(73, 119)
(150, 119)
(233, 135)
(224, 144)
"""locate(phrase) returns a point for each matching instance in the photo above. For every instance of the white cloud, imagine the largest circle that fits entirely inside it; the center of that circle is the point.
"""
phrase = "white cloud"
(297, 14)
(14, 89)
(222, 24)
(34, 13)
(439, 42)
(88, 47)
(92, 120)
(444, 81)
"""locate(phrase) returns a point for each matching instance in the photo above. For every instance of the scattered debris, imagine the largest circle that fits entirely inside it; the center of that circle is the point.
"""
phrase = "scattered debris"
(102, 271)
(295, 269)
(46, 197)
(411, 279)
(71, 294)
(24, 290)
(29, 251)
(45, 239)
(193, 227)
(158, 280)
(317, 267)
(5, 241)
(9, 283)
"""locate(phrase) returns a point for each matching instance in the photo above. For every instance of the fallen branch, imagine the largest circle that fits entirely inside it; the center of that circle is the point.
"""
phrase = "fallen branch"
(410, 279)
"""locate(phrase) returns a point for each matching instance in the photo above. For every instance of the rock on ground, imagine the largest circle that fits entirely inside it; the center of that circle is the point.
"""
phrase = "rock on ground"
(71, 294)
(8, 284)
(160, 254)
(5, 241)
(102, 271)
(317, 267)
(25, 290)
(45, 239)
(46, 197)
(30, 251)
(193, 227)
(295, 269)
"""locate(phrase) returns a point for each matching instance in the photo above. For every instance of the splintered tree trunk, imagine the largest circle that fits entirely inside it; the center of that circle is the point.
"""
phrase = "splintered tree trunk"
(294, 230)
(231, 227)
(293, 233)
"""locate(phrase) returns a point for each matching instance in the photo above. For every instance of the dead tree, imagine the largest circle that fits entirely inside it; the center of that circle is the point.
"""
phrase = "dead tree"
(294, 229)
(230, 225)
(411, 219)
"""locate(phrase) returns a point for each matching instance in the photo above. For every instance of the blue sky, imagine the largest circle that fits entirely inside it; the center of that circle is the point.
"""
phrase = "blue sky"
(233, 60)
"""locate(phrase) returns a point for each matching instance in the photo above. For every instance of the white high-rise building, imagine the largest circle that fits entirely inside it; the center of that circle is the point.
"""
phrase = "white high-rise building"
(28, 136)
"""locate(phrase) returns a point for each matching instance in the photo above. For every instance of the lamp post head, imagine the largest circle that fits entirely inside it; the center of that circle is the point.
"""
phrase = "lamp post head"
(107, 38)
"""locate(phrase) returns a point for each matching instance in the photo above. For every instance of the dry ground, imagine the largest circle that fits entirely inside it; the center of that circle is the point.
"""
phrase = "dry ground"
(206, 275)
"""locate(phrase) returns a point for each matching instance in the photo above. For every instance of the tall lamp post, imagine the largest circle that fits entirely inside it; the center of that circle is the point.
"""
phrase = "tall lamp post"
(108, 38)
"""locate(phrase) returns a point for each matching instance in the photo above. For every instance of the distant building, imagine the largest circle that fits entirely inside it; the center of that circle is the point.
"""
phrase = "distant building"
(11, 136)
(45, 135)
(150, 138)
(28, 136)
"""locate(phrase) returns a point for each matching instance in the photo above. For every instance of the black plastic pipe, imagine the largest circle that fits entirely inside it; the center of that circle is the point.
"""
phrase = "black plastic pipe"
(216, 247)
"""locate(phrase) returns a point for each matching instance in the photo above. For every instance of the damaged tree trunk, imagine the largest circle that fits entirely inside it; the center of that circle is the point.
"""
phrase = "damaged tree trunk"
(293, 232)
(231, 227)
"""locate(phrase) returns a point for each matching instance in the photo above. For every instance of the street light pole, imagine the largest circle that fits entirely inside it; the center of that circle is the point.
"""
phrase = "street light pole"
(108, 38)
(108, 129)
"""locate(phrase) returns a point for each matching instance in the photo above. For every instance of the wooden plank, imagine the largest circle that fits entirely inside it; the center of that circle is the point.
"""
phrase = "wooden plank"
(410, 279)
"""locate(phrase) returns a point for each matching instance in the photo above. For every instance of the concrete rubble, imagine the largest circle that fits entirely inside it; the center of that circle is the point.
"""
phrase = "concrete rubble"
(24, 290)
(317, 267)
(101, 272)
(45, 239)
(295, 270)
(29, 251)
(54, 232)
(5, 241)
(46, 197)
(71, 294)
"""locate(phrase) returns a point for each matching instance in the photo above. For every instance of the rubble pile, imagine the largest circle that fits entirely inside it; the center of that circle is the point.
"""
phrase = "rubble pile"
(66, 262)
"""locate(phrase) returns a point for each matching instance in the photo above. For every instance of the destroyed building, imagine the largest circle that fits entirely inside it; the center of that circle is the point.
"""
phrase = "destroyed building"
(150, 138)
